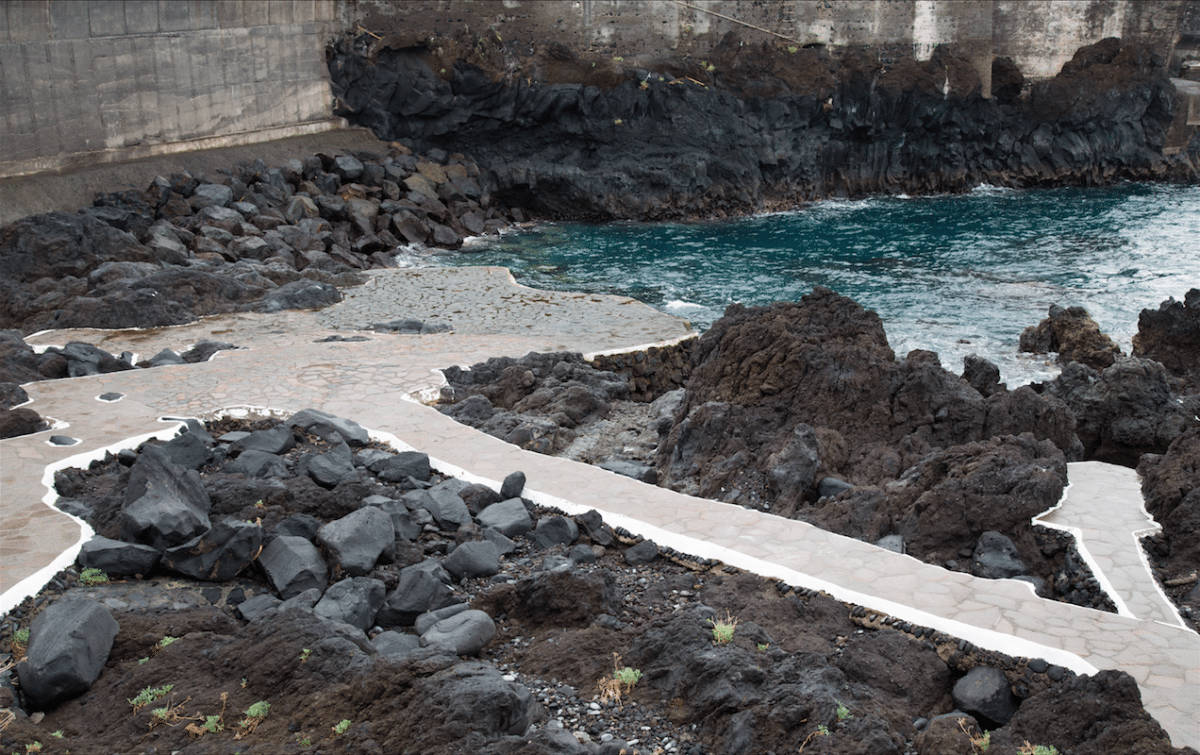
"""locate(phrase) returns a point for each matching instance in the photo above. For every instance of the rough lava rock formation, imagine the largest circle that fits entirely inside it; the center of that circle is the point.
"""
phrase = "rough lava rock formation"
(752, 127)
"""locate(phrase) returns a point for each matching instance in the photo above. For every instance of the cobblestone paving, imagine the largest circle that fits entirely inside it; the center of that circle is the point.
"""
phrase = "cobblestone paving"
(286, 367)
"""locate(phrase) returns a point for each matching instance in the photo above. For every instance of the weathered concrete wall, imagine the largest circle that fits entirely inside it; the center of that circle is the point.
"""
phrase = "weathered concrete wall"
(1039, 35)
(86, 82)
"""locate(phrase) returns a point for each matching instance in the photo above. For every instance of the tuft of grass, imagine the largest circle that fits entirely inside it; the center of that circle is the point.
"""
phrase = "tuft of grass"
(91, 577)
(341, 727)
(723, 630)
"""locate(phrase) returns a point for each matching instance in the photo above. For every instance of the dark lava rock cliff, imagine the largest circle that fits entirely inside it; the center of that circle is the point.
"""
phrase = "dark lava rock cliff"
(752, 126)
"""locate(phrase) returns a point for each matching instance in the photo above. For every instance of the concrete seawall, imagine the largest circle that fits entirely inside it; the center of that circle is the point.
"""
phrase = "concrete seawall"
(92, 82)
(85, 83)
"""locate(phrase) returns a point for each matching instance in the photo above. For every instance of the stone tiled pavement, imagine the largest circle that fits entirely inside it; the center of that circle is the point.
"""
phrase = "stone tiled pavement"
(286, 369)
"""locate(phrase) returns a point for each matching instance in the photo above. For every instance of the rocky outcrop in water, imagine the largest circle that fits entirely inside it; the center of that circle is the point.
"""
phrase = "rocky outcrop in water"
(259, 239)
(1073, 335)
(751, 126)
(1123, 412)
(1170, 335)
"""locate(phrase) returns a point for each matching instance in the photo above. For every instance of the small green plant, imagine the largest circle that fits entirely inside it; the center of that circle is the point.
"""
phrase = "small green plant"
(160, 714)
(33, 747)
(91, 577)
(303, 741)
(762, 646)
(723, 630)
(822, 731)
(255, 715)
(58, 734)
(1028, 749)
(243, 682)
(143, 660)
(792, 49)
(843, 713)
(166, 641)
(259, 504)
(618, 59)
(212, 724)
(304, 654)
(628, 676)
(979, 745)
(149, 695)
(707, 66)
(620, 681)
(21, 636)
(341, 727)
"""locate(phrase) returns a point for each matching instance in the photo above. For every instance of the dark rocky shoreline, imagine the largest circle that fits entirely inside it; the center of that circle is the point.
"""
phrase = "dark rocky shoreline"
(571, 600)
(803, 410)
(749, 128)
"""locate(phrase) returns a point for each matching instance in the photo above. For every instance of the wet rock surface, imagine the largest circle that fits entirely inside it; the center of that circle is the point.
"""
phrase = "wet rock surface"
(540, 638)
(745, 127)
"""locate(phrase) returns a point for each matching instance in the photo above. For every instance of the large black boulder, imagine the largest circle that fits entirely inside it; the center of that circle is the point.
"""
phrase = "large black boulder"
(68, 647)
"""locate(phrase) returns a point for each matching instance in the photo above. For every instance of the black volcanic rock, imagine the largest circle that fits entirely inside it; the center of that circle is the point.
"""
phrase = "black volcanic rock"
(762, 374)
(1170, 335)
(577, 137)
(1073, 335)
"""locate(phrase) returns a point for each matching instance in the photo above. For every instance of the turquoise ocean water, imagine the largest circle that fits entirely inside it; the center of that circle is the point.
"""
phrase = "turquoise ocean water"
(953, 274)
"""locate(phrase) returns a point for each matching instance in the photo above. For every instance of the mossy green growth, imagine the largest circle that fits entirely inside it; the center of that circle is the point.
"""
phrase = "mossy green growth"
(91, 577)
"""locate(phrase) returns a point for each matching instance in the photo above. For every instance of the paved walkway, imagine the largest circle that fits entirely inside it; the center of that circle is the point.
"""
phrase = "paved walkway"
(288, 368)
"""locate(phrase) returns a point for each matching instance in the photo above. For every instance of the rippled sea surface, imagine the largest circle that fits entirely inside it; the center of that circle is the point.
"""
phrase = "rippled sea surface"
(953, 274)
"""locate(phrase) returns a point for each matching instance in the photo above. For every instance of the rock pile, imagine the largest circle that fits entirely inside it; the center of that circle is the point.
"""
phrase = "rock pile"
(746, 127)
(423, 613)
(259, 239)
